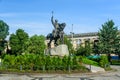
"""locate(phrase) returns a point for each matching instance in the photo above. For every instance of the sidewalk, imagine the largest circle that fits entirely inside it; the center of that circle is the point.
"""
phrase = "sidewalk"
(112, 75)
(94, 69)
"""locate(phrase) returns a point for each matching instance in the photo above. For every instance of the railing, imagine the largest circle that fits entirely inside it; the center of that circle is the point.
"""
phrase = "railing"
(23, 68)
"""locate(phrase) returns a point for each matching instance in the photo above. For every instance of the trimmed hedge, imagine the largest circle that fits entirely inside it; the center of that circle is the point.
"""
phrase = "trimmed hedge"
(90, 62)
(115, 62)
(104, 62)
(38, 62)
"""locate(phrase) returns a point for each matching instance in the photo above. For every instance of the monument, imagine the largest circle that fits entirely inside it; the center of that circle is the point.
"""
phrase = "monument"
(57, 34)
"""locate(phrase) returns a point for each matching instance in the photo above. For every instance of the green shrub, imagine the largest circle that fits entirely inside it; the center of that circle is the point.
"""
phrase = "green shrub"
(104, 62)
(115, 62)
(88, 61)
(38, 62)
(9, 60)
(94, 58)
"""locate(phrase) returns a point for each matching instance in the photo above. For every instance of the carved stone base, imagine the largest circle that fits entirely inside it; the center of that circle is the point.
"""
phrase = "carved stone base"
(60, 50)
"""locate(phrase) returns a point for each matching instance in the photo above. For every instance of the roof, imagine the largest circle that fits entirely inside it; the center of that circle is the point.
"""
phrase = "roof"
(84, 34)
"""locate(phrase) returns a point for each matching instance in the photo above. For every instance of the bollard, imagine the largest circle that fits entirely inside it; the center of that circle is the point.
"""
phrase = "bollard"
(43, 68)
(20, 67)
(90, 67)
(6, 66)
(69, 68)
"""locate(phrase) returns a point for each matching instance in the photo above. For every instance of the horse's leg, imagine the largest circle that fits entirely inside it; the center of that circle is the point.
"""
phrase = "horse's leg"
(49, 44)
(56, 40)
(62, 38)
(55, 43)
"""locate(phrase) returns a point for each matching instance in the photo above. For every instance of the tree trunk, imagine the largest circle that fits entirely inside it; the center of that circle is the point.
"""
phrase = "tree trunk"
(109, 57)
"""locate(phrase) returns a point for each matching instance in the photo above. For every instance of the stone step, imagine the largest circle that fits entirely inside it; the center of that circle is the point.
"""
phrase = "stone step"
(94, 69)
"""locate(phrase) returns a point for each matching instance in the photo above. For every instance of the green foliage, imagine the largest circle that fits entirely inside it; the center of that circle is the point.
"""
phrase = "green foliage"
(36, 44)
(94, 58)
(17, 41)
(65, 62)
(96, 48)
(80, 51)
(3, 44)
(38, 62)
(21, 43)
(9, 60)
(3, 30)
(69, 44)
(115, 62)
(84, 50)
(104, 62)
(108, 38)
(88, 48)
(90, 62)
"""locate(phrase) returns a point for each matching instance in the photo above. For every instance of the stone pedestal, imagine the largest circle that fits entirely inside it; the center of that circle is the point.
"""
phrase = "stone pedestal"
(60, 50)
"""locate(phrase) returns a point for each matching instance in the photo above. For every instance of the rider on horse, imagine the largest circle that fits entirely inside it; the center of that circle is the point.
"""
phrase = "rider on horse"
(57, 32)
(56, 26)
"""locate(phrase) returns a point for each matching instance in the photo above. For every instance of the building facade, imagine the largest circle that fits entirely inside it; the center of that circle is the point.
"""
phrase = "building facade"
(80, 39)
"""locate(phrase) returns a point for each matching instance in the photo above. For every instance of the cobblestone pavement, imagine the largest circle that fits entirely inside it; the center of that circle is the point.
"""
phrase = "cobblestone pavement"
(111, 75)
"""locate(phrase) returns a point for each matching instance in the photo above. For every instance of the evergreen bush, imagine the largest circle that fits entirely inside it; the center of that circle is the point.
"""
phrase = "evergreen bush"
(44, 63)
(104, 62)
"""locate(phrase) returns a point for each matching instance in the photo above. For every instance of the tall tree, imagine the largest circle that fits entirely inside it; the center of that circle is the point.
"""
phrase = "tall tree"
(108, 38)
(84, 50)
(36, 44)
(88, 48)
(69, 44)
(117, 46)
(4, 28)
(96, 47)
(17, 41)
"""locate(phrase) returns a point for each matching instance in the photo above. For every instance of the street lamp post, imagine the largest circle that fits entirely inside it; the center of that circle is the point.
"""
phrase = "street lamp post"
(72, 34)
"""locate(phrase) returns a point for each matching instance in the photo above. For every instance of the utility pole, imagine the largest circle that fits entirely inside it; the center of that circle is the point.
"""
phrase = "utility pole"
(72, 31)
(72, 34)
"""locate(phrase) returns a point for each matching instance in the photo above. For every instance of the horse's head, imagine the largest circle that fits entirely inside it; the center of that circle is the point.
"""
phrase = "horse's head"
(62, 26)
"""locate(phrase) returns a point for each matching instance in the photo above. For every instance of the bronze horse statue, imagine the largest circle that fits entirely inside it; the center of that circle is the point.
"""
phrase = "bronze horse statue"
(57, 34)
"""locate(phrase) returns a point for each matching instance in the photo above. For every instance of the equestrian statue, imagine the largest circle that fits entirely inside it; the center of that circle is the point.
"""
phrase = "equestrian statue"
(57, 32)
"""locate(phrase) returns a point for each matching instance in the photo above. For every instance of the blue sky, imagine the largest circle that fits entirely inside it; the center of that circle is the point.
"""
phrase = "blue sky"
(34, 15)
